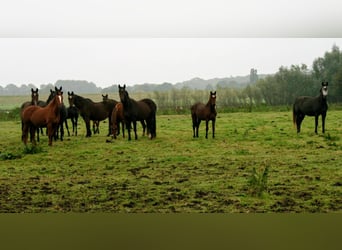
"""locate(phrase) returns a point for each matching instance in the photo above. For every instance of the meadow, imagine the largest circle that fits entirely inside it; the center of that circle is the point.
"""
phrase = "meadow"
(256, 163)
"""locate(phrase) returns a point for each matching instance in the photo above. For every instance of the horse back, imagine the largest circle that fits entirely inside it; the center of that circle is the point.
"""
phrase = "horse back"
(310, 106)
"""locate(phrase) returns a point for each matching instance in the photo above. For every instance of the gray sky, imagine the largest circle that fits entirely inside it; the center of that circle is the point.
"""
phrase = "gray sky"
(154, 60)
(138, 41)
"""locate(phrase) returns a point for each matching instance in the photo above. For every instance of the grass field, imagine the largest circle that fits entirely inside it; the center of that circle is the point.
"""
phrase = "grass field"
(256, 163)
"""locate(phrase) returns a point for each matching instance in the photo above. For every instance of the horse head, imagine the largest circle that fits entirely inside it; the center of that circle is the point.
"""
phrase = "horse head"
(324, 89)
(71, 98)
(105, 98)
(212, 99)
(123, 94)
(59, 95)
(34, 96)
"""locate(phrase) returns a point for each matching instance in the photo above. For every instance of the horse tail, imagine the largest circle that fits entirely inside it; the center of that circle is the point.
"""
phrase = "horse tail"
(152, 124)
(294, 115)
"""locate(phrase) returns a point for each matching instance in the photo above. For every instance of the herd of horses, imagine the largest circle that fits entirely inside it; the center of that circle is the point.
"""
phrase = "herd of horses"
(52, 114)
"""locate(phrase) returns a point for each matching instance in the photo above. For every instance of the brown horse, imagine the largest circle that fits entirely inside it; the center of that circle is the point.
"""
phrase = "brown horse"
(35, 116)
(95, 111)
(117, 118)
(206, 112)
(143, 110)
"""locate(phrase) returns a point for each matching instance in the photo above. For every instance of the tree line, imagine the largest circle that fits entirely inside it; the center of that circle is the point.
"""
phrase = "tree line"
(279, 89)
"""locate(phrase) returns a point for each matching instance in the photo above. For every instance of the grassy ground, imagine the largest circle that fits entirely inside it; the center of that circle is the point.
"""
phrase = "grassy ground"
(256, 163)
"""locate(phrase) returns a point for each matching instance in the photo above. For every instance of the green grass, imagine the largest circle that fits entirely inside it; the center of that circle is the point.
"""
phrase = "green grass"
(175, 172)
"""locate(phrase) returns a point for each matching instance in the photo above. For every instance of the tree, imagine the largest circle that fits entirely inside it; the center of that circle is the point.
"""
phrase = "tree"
(328, 68)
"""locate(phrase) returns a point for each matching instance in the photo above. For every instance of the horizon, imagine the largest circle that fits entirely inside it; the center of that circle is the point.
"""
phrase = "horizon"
(136, 61)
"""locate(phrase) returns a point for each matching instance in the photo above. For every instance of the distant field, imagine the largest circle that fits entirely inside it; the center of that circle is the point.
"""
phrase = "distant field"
(176, 173)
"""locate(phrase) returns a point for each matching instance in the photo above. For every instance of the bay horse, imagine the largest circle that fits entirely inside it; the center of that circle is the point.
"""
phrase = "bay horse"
(204, 112)
(95, 111)
(117, 117)
(311, 106)
(143, 110)
(34, 117)
(63, 116)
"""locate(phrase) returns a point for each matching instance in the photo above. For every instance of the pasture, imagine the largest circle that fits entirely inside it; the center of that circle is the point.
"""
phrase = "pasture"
(256, 163)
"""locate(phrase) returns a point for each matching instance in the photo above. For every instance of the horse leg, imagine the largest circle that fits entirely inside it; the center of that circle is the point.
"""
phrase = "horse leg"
(206, 128)
(51, 133)
(143, 124)
(299, 119)
(193, 127)
(213, 127)
(316, 123)
(197, 127)
(135, 129)
(66, 126)
(62, 129)
(87, 122)
(123, 129)
(32, 135)
(323, 122)
(76, 120)
(25, 133)
(109, 124)
(128, 126)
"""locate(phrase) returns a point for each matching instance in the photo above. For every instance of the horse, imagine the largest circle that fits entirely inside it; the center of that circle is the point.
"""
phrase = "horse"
(33, 117)
(95, 111)
(72, 114)
(34, 102)
(311, 106)
(117, 118)
(63, 116)
(204, 112)
(143, 110)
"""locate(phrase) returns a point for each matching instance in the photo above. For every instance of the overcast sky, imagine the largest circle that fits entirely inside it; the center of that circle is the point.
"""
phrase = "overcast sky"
(150, 60)
(138, 41)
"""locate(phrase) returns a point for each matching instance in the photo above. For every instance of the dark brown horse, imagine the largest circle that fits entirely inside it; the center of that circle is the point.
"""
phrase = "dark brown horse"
(72, 114)
(95, 111)
(34, 117)
(34, 99)
(143, 110)
(34, 102)
(311, 106)
(204, 112)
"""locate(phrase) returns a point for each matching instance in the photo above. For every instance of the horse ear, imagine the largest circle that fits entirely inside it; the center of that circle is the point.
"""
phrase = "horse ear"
(124, 86)
(51, 91)
(36, 89)
(326, 83)
(32, 90)
(60, 89)
(72, 92)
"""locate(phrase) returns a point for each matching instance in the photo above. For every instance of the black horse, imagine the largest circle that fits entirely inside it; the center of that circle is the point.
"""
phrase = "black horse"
(72, 112)
(95, 111)
(311, 106)
(134, 111)
(63, 115)
(206, 112)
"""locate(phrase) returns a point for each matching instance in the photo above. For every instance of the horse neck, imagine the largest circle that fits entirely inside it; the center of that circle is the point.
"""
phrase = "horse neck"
(321, 98)
(210, 106)
(54, 105)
